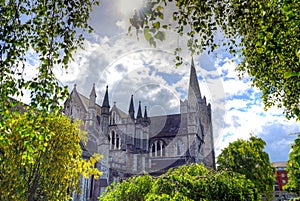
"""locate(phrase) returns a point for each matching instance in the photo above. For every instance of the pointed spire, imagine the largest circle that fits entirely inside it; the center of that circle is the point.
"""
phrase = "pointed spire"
(139, 114)
(146, 119)
(105, 100)
(93, 92)
(145, 113)
(194, 88)
(93, 96)
(131, 108)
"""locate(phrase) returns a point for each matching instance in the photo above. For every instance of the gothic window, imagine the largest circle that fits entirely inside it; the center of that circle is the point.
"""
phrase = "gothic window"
(141, 138)
(179, 147)
(153, 149)
(117, 118)
(113, 138)
(158, 148)
(117, 141)
(114, 117)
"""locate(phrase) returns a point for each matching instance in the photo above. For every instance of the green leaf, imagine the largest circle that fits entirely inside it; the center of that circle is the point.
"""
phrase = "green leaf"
(291, 74)
(147, 34)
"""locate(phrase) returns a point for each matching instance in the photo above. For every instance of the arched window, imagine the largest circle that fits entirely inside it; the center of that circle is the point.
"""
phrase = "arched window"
(179, 147)
(158, 148)
(163, 150)
(113, 139)
(117, 141)
(153, 149)
(113, 117)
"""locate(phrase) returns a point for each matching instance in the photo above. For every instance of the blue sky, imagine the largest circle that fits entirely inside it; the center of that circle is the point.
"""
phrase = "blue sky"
(130, 66)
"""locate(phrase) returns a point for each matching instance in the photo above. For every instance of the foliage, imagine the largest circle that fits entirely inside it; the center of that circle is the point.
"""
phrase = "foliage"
(40, 157)
(249, 159)
(193, 182)
(49, 30)
(293, 168)
(264, 33)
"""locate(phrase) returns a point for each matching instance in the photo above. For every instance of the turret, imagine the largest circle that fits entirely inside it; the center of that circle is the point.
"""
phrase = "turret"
(93, 96)
(131, 108)
(105, 113)
(146, 119)
(139, 117)
(105, 104)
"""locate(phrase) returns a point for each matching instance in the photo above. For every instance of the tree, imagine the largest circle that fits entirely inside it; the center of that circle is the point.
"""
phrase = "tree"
(293, 168)
(263, 33)
(51, 31)
(40, 157)
(248, 158)
(193, 182)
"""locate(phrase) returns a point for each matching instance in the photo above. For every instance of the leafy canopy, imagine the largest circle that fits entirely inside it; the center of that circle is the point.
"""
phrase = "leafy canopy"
(50, 31)
(293, 168)
(263, 33)
(40, 157)
(193, 182)
(248, 158)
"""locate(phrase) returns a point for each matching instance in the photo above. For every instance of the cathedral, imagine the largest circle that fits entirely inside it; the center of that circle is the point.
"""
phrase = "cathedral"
(133, 143)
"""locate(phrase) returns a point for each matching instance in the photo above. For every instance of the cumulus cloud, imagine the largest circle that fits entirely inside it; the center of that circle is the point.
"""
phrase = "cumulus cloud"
(130, 66)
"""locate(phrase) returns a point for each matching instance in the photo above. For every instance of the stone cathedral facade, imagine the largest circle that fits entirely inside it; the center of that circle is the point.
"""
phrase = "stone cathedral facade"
(132, 143)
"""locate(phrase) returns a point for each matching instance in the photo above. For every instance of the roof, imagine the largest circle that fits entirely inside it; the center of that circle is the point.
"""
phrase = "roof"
(167, 125)
(119, 111)
(85, 102)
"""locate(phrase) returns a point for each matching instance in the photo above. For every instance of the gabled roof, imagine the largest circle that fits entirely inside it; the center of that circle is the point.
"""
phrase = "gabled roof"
(85, 101)
(122, 114)
(167, 126)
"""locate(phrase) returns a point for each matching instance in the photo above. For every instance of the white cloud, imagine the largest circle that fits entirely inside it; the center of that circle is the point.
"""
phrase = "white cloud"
(131, 66)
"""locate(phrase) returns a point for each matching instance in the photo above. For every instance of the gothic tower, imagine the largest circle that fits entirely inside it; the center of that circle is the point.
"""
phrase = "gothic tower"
(91, 120)
(199, 123)
(105, 113)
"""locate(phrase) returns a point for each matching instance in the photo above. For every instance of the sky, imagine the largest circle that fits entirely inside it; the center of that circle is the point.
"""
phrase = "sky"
(128, 65)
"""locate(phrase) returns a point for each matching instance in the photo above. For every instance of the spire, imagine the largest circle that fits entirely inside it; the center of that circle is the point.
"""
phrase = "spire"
(139, 116)
(93, 96)
(93, 92)
(131, 108)
(194, 88)
(145, 113)
(146, 119)
(105, 100)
